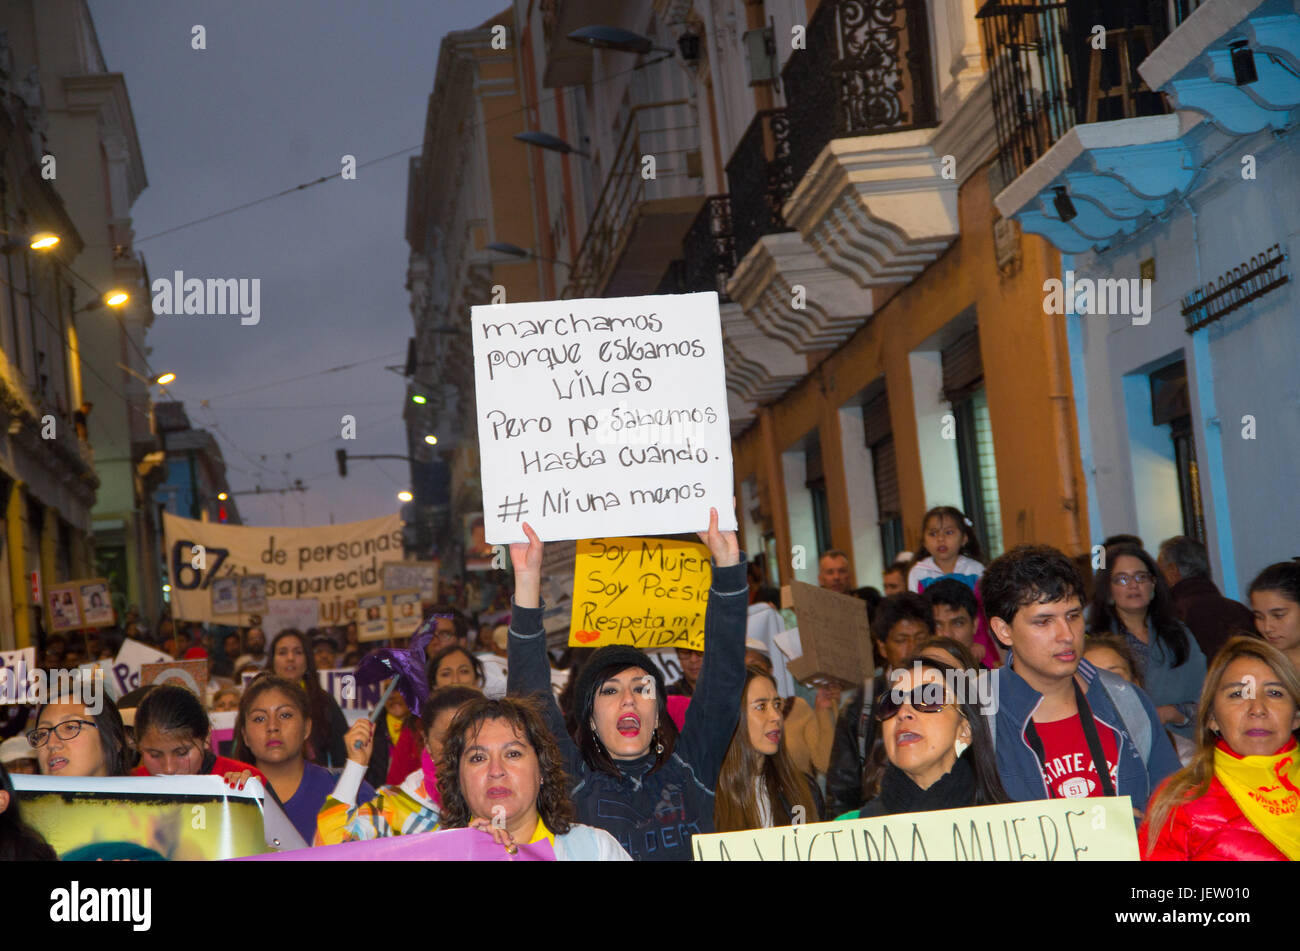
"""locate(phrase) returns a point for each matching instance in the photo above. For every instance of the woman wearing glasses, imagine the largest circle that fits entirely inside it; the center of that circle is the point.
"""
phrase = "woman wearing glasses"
(71, 742)
(758, 785)
(933, 749)
(1132, 600)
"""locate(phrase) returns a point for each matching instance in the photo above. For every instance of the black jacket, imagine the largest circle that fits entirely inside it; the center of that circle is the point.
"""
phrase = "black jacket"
(653, 815)
(849, 751)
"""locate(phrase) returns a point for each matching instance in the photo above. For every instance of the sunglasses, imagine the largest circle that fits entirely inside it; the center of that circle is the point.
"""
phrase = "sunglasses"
(926, 698)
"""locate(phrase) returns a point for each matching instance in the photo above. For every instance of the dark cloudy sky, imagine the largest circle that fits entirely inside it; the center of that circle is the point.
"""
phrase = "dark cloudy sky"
(284, 89)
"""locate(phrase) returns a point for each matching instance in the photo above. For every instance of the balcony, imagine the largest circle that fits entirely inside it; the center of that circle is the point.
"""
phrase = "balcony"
(872, 197)
(709, 249)
(1123, 159)
(1048, 75)
(866, 71)
(637, 226)
(762, 158)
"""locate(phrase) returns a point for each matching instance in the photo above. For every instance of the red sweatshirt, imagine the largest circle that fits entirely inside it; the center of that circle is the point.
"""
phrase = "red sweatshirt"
(220, 767)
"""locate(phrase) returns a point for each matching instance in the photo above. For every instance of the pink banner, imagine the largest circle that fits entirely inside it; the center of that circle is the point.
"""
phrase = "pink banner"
(450, 845)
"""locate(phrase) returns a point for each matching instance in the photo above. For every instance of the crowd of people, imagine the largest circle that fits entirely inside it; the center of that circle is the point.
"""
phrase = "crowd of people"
(1122, 674)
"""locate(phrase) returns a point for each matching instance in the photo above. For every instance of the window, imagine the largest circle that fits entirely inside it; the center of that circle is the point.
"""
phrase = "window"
(1171, 404)
(884, 466)
(815, 482)
(963, 387)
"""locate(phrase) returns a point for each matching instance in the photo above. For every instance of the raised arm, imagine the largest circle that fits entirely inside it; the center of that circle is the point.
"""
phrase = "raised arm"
(527, 670)
(715, 706)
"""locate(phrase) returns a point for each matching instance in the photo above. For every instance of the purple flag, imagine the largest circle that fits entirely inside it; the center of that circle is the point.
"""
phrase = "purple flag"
(406, 664)
(448, 845)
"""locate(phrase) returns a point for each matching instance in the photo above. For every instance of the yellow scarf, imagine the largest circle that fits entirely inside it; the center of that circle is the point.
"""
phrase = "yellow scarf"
(394, 727)
(541, 832)
(1267, 790)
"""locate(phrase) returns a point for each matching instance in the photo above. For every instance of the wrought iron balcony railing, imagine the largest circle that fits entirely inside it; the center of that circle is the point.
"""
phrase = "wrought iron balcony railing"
(760, 177)
(866, 70)
(709, 248)
(1050, 69)
(655, 129)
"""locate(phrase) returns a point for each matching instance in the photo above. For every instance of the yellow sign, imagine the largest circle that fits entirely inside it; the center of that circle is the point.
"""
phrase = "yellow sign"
(1048, 830)
(646, 592)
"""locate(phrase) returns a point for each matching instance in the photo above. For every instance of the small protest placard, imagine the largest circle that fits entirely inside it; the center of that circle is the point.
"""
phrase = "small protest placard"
(252, 594)
(647, 592)
(405, 609)
(372, 617)
(602, 417)
(281, 613)
(190, 674)
(81, 603)
(225, 596)
(15, 671)
(834, 636)
(1049, 830)
(131, 658)
(403, 575)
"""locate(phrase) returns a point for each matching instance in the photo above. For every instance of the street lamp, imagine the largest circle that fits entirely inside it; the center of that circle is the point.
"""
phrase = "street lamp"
(617, 39)
(161, 379)
(552, 143)
(222, 496)
(405, 496)
(39, 241)
(505, 247)
(419, 399)
(113, 299)
(44, 241)
(431, 440)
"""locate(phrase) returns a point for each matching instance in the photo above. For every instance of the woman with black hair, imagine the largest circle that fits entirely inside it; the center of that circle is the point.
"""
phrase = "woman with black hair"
(1275, 602)
(454, 665)
(1131, 599)
(69, 740)
(933, 749)
(19, 842)
(631, 773)
(291, 657)
(172, 731)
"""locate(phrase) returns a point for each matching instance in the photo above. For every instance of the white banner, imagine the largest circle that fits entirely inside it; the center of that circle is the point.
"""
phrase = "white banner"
(282, 613)
(331, 563)
(602, 417)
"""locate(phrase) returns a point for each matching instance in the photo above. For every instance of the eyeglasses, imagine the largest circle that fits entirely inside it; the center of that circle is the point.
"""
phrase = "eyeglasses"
(1142, 577)
(64, 731)
(926, 698)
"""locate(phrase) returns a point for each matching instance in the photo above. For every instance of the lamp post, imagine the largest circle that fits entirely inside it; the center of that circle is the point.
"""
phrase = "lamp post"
(514, 251)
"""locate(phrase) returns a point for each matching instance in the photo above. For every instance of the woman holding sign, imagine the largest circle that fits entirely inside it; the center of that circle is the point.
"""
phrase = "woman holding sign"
(501, 772)
(1239, 800)
(632, 774)
(933, 749)
(292, 659)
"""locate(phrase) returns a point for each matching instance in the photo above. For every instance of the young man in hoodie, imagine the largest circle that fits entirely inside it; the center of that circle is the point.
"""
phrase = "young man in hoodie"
(1063, 729)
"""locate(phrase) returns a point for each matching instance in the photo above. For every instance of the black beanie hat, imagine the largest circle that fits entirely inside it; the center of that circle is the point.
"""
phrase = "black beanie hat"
(620, 656)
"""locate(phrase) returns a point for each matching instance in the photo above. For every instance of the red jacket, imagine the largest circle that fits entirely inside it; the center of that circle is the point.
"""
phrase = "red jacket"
(1210, 828)
(222, 766)
(404, 758)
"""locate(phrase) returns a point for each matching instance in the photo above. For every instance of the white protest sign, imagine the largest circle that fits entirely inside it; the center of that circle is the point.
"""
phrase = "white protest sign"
(602, 417)
(15, 671)
(282, 613)
(341, 684)
(130, 659)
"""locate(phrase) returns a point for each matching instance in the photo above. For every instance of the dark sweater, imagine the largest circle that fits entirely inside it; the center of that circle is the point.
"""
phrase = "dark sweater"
(653, 815)
(1210, 616)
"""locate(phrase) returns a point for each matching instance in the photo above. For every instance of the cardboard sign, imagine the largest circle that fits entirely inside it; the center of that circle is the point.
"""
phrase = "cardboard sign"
(252, 594)
(449, 845)
(405, 609)
(602, 417)
(557, 586)
(225, 596)
(332, 563)
(1049, 830)
(82, 603)
(372, 617)
(282, 613)
(834, 636)
(647, 592)
(404, 575)
(190, 674)
(130, 660)
(157, 812)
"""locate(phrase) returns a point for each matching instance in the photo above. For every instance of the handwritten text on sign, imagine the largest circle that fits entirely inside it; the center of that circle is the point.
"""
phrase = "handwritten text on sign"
(647, 592)
(603, 416)
(1049, 830)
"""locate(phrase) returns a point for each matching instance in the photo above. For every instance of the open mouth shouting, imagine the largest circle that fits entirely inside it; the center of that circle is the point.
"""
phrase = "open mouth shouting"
(908, 737)
(629, 725)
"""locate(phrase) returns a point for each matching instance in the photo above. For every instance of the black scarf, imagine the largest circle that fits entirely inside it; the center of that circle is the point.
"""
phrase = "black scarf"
(954, 790)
